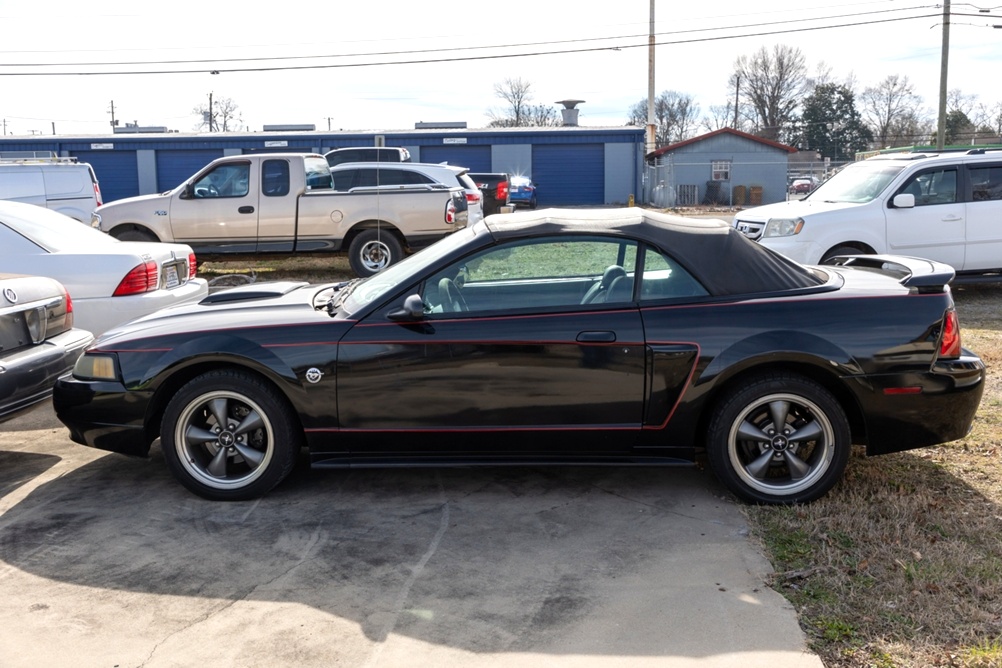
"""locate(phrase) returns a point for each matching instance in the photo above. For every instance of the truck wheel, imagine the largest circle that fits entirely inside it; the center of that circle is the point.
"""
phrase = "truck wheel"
(841, 250)
(371, 251)
(132, 234)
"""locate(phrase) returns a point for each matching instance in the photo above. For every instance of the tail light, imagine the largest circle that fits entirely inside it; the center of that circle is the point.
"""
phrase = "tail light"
(472, 198)
(97, 194)
(450, 212)
(949, 342)
(143, 278)
(192, 266)
(503, 191)
(69, 312)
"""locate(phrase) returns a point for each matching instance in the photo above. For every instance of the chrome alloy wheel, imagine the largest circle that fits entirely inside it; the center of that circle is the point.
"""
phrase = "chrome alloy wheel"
(375, 256)
(224, 440)
(781, 444)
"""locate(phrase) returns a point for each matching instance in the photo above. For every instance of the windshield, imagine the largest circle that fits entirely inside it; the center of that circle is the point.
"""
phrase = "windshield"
(396, 275)
(857, 183)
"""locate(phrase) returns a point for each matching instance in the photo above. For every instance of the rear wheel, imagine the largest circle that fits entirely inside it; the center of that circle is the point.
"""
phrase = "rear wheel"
(779, 439)
(371, 251)
(228, 435)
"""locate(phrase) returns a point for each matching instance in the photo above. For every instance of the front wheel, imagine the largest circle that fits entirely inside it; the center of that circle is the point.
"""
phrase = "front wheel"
(229, 436)
(779, 439)
(134, 234)
(371, 251)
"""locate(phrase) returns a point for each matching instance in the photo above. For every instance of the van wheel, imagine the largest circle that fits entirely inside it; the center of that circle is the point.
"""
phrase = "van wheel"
(371, 251)
(132, 234)
(841, 250)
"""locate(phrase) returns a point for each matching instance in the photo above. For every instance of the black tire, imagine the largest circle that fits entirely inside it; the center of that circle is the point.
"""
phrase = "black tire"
(841, 250)
(532, 203)
(133, 234)
(371, 251)
(761, 465)
(255, 451)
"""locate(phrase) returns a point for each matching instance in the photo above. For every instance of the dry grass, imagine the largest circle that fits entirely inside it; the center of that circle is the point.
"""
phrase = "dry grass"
(901, 564)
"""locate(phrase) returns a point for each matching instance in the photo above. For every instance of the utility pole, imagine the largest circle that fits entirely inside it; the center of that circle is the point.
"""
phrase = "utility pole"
(114, 123)
(737, 91)
(210, 112)
(651, 144)
(944, 66)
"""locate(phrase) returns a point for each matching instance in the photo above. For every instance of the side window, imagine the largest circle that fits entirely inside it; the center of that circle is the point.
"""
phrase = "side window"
(228, 180)
(534, 274)
(275, 178)
(663, 278)
(344, 179)
(938, 186)
(986, 183)
(318, 174)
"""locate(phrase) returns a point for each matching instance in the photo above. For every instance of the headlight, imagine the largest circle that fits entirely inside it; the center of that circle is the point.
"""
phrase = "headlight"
(96, 366)
(95, 220)
(783, 227)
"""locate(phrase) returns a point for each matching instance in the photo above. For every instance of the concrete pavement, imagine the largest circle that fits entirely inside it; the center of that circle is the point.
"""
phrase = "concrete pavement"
(106, 561)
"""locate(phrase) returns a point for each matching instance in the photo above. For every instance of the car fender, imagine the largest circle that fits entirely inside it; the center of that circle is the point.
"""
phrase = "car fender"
(205, 351)
(780, 347)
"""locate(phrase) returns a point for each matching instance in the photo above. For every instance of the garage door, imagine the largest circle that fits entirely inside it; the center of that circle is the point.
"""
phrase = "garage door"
(569, 174)
(116, 171)
(474, 158)
(174, 166)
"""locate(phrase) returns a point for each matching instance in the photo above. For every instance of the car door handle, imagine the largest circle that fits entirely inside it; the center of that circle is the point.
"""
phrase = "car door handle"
(952, 219)
(246, 209)
(597, 337)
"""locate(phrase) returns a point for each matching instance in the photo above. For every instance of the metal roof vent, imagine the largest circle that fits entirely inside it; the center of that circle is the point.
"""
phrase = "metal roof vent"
(569, 113)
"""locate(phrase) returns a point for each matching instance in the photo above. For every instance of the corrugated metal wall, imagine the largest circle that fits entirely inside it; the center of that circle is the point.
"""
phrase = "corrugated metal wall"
(176, 165)
(117, 172)
(569, 174)
(476, 158)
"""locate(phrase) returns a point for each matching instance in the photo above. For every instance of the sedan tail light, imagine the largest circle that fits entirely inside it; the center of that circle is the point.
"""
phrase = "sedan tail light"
(472, 198)
(949, 342)
(69, 311)
(192, 266)
(143, 278)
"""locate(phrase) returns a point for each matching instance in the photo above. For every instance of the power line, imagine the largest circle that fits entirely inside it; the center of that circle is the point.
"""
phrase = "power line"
(613, 47)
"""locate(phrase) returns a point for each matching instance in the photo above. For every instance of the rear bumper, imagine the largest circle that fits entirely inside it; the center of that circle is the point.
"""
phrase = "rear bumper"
(914, 410)
(28, 375)
(101, 314)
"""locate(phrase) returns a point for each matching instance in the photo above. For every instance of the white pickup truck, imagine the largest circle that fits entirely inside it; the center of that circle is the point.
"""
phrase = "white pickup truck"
(939, 206)
(285, 203)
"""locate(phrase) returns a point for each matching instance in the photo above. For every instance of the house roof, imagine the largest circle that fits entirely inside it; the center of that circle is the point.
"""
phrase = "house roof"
(730, 131)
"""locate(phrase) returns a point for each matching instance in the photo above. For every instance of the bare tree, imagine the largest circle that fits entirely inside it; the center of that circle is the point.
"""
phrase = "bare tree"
(222, 115)
(888, 108)
(771, 84)
(676, 117)
(721, 116)
(517, 94)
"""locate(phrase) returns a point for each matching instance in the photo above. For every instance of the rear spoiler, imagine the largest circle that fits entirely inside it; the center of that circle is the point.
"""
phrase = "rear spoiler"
(914, 272)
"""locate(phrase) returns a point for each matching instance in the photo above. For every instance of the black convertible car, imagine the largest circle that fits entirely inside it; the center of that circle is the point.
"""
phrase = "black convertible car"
(615, 336)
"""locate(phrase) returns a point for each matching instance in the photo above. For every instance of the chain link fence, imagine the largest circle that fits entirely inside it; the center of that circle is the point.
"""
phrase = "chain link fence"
(668, 183)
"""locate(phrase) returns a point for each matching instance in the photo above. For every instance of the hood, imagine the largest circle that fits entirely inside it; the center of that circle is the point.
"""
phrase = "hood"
(793, 209)
(138, 199)
(279, 304)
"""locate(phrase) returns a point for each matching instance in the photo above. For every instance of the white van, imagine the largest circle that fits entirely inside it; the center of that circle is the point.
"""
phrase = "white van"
(60, 184)
(940, 206)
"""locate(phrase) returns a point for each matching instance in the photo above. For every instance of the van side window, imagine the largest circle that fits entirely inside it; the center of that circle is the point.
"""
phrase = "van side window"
(986, 183)
(933, 187)
(275, 178)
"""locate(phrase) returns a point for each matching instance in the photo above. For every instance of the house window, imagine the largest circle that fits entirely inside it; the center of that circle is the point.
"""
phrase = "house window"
(721, 170)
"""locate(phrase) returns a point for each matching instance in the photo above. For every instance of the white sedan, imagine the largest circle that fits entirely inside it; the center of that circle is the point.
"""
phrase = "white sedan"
(110, 281)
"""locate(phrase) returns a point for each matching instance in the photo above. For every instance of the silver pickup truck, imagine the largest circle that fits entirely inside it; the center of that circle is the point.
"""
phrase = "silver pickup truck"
(286, 203)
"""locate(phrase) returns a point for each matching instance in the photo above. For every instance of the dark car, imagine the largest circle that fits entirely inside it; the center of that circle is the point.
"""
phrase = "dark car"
(367, 154)
(495, 188)
(615, 336)
(37, 340)
(522, 192)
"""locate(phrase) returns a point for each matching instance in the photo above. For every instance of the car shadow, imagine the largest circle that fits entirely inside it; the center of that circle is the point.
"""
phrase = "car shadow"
(481, 559)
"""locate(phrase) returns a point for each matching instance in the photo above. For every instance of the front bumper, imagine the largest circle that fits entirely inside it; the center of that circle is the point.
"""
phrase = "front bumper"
(103, 415)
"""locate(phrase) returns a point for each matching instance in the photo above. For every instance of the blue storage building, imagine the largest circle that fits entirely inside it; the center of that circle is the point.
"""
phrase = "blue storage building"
(571, 165)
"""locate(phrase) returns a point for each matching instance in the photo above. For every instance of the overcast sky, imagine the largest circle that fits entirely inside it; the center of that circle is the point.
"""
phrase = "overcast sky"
(352, 65)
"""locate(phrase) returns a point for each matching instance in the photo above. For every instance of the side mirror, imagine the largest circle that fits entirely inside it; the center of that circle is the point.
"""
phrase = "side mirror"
(904, 201)
(413, 309)
(186, 192)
